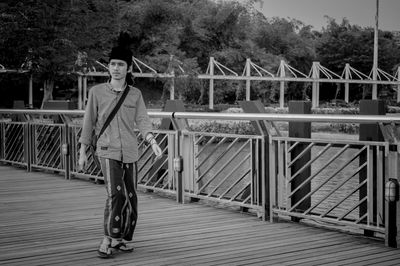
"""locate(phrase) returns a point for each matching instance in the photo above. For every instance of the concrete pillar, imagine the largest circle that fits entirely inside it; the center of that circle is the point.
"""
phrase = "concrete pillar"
(370, 132)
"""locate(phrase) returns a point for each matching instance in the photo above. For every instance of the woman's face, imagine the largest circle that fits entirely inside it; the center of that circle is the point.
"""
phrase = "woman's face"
(118, 69)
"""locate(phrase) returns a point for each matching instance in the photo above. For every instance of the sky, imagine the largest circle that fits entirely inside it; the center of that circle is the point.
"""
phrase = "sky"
(357, 12)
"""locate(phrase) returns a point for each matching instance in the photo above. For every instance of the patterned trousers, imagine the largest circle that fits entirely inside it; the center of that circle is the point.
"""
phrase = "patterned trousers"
(121, 210)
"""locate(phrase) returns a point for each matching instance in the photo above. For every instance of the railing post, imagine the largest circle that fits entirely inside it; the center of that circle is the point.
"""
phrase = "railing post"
(66, 151)
(27, 146)
(272, 174)
(300, 130)
(392, 206)
(262, 166)
(178, 125)
(370, 132)
(178, 167)
(391, 225)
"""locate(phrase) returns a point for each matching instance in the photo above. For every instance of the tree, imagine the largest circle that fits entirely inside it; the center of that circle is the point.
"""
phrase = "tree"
(56, 37)
(52, 32)
(345, 43)
(292, 41)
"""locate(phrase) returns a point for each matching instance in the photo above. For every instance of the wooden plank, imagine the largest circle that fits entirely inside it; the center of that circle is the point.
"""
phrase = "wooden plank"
(258, 254)
(375, 257)
(53, 221)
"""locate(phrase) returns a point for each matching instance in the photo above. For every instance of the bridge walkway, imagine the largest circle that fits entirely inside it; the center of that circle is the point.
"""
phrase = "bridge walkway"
(47, 220)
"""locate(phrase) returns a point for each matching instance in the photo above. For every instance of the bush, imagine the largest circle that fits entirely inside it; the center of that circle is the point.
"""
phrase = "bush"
(393, 109)
(246, 128)
(231, 127)
(338, 111)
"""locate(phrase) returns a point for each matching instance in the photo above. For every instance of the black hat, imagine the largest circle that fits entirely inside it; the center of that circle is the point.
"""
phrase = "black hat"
(121, 53)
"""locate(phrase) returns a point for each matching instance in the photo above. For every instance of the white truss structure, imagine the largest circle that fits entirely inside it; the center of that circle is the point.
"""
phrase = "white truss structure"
(253, 72)
(5, 70)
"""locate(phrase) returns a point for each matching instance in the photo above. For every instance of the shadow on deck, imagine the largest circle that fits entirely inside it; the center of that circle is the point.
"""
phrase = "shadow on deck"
(46, 220)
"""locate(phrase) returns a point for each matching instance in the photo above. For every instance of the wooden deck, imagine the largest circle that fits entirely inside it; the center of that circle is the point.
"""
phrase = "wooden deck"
(46, 220)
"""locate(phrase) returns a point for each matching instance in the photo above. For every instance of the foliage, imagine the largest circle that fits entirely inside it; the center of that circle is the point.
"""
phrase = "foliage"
(246, 128)
(344, 43)
(53, 37)
(232, 127)
(48, 35)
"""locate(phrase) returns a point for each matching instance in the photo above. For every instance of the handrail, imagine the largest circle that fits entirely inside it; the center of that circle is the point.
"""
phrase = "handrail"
(288, 117)
(327, 118)
(41, 112)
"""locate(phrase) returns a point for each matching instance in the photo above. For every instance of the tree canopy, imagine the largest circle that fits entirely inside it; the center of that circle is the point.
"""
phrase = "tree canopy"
(50, 37)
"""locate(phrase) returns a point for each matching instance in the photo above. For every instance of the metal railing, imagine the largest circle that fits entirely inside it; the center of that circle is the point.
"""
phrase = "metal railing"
(226, 168)
(339, 182)
(13, 145)
(334, 189)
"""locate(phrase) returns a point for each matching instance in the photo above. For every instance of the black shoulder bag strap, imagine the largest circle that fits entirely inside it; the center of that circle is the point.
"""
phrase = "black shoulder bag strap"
(114, 111)
(105, 125)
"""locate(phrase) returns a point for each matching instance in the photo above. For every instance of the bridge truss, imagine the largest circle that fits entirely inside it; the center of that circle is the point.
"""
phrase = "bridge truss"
(253, 72)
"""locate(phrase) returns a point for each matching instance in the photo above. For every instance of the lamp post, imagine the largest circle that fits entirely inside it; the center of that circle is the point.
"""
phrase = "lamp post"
(375, 63)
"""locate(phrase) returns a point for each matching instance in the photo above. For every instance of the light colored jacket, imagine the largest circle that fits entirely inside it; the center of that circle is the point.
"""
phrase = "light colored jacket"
(119, 141)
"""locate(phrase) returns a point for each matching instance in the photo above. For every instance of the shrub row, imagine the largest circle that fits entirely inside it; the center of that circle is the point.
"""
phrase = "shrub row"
(246, 128)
